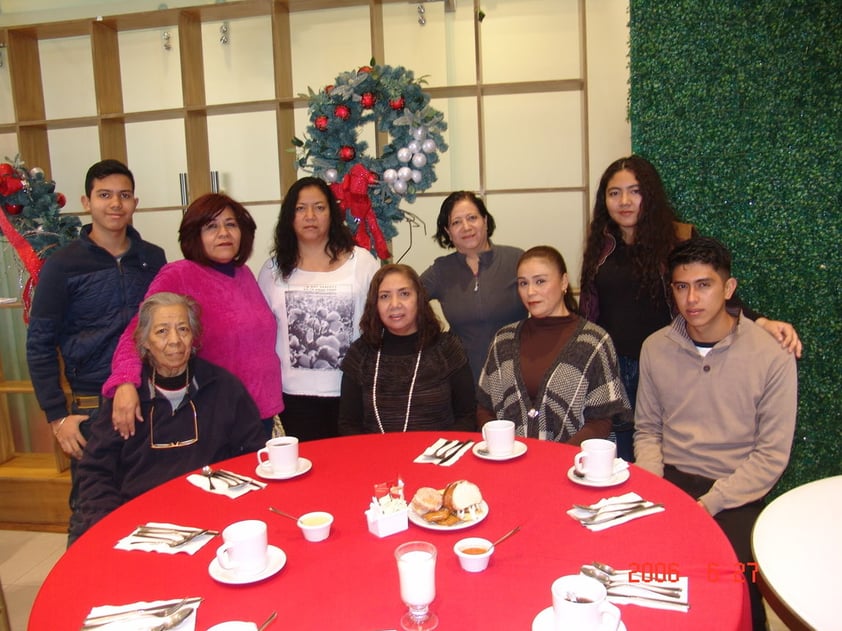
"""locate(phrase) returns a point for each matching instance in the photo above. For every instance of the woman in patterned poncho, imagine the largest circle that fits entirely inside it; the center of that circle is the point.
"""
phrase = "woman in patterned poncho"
(554, 374)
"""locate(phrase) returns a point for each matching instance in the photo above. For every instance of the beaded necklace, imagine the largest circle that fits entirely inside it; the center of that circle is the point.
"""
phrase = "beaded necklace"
(408, 400)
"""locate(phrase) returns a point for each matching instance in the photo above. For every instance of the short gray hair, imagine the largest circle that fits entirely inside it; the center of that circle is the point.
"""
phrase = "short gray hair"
(165, 299)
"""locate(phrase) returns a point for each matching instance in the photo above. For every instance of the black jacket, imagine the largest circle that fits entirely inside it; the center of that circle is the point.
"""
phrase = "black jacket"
(83, 301)
(113, 471)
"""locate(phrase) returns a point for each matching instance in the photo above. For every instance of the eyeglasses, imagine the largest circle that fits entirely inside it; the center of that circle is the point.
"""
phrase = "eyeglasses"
(175, 443)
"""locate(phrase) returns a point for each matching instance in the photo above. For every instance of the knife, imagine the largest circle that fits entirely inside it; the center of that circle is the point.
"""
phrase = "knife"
(455, 450)
(663, 601)
(224, 473)
(92, 622)
(590, 521)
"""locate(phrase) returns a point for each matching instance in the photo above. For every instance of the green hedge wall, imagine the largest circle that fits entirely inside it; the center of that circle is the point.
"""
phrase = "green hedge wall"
(738, 103)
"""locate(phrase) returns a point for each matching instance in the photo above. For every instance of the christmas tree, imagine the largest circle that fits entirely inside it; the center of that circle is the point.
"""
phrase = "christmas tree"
(31, 218)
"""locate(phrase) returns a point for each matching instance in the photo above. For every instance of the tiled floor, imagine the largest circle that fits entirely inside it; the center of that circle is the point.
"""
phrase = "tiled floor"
(27, 557)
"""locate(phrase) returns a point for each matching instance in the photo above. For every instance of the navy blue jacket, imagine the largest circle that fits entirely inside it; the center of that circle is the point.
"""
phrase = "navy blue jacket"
(84, 299)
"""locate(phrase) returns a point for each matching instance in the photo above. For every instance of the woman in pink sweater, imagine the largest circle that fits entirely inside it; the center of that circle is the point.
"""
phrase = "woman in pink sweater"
(216, 237)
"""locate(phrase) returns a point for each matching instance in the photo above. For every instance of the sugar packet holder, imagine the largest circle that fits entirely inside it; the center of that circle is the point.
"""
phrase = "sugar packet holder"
(388, 512)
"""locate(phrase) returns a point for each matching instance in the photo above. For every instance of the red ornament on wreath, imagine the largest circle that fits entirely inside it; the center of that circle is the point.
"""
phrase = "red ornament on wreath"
(61, 200)
(347, 153)
(6, 169)
(9, 185)
(367, 100)
(397, 104)
(14, 209)
(321, 123)
(328, 88)
(342, 111)
(366, 69)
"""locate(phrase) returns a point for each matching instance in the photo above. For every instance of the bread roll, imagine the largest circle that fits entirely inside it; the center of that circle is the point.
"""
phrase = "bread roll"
(461, 495)
(425, 500)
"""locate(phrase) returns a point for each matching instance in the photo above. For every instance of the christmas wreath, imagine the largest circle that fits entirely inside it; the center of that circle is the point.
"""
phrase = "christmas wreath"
(30, 219)
(371, 189)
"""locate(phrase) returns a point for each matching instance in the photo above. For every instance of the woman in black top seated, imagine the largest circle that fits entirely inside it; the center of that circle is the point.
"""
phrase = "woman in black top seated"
(197, 413)
(404, 373)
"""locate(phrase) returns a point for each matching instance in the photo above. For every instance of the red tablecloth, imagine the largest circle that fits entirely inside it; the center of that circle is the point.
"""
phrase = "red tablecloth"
(350, 581)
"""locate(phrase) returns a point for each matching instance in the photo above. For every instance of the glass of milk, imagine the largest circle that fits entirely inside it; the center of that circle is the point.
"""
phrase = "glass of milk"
(417, 572)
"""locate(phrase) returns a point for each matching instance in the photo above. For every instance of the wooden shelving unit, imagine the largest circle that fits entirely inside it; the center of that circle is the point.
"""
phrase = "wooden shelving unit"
(34, 486)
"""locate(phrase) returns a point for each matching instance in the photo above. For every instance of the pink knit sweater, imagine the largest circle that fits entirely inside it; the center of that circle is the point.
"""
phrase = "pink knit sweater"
(238, 331)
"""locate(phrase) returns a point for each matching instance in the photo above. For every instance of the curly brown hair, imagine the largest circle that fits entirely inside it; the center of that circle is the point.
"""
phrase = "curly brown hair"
(371, 326)
(654, 235)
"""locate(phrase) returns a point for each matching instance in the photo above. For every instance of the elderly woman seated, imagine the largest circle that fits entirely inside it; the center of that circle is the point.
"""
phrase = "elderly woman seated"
(404, 372)
(195, 413)
(554, 374)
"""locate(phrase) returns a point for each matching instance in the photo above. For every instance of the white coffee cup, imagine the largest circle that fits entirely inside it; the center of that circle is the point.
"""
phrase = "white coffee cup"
(596, 460)
(581, 603)
(499, 437)
(281, 455)
(246, 549)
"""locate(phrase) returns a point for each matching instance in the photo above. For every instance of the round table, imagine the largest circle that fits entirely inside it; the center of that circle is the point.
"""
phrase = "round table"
(350, 581)
(798, 552)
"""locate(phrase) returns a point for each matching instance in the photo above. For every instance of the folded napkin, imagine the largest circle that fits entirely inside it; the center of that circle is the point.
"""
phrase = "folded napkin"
(620, 517)
(140, 622)
(146, 544)
(453, 452)
(619, 465)
(221, 487)
(630, 595)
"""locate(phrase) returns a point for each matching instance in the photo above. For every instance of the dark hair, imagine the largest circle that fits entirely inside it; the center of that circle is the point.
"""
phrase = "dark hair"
(339, 237)
(553, 257)
(165, 299)
(443, 220)
(703, 250)
(201, 212)
(654, 235)
(371, 326)
(102, 170)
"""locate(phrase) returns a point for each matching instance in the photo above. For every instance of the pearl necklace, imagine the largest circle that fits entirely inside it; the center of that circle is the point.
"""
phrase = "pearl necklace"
(408, 400)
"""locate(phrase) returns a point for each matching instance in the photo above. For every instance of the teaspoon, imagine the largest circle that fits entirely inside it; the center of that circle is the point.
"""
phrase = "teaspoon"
(282, 513)
(208, 472)
(513, 531)
(268, 621)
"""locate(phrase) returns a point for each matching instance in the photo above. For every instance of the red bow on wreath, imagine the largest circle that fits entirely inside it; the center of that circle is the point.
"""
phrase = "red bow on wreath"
(28, 256)
(352, 194)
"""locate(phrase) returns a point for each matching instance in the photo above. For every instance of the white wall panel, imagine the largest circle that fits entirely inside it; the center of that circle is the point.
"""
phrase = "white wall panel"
(530, 40)
(150, 74)
(72, 151)
(157, 154)
(67, 75)
(534, 140)
(240, 70)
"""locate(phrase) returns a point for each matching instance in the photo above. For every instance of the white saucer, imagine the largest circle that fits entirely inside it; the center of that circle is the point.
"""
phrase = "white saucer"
(544, 621)
(614, 480)
(518, 450)
(277, 560)
(304, 466)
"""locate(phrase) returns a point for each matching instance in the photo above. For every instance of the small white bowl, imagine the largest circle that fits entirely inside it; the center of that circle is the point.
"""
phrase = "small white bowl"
(473, 561)
(316, 525)
(234, 625)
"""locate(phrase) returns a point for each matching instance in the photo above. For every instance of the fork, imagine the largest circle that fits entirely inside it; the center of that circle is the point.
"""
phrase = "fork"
(159, 611)
(159, 535)
(439, 452)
